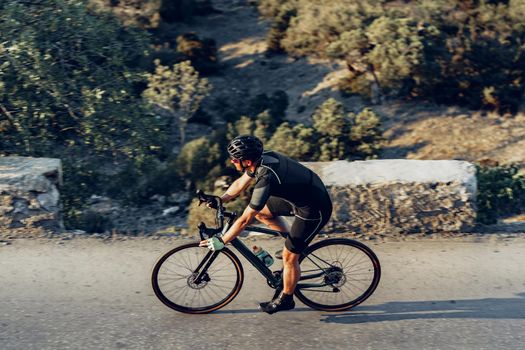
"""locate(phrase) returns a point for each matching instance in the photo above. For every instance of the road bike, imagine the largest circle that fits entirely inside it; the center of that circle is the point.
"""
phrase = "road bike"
(336, 274)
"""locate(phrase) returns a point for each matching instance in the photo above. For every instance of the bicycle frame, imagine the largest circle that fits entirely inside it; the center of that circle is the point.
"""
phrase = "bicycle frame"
(261, 267)
(272, 279)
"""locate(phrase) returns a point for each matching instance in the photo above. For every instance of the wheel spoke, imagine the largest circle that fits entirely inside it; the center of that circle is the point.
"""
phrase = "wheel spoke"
(174, 279)
(351, 270)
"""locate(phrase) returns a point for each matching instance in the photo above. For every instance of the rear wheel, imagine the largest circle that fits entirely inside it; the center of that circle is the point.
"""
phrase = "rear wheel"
(176, 283)
(337, 274)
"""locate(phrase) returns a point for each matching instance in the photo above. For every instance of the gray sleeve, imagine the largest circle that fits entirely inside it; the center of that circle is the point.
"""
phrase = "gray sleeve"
(261, 192)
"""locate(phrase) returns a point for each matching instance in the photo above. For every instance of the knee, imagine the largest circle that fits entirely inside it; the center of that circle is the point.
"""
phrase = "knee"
(290, 258)
(262, 216)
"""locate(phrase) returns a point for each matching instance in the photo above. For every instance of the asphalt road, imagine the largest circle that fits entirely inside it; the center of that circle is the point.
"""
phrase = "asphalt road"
(96, 294)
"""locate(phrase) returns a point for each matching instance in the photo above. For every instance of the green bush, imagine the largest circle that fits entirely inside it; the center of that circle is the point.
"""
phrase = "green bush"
(297, 142)
(196, 159)
(365, 134)
(501, 192)
(68, 89)
(278, 28)
(136, 185)
(342, 135)
(139, 13)
(203, 213)
(81, 180)
(179, 90)
(335, 134)
(92, 222)
(451, 51)
(53, 92)
(262, 127)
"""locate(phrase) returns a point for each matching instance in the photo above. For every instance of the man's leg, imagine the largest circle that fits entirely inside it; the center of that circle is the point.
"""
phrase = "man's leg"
(291, 271)
(273, 222)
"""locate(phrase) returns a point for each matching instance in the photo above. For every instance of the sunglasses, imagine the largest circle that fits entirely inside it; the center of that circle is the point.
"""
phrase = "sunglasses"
(235, 161)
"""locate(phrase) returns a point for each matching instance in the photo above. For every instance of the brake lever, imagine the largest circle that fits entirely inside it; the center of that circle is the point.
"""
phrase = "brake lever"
(213, 201)
(201, 196)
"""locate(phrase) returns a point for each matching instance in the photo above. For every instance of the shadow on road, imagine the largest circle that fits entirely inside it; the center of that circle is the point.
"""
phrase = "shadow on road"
(490, 308)
(256, 311)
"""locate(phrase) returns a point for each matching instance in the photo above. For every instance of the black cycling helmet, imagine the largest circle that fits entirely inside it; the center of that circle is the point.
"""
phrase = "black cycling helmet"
(245, 147)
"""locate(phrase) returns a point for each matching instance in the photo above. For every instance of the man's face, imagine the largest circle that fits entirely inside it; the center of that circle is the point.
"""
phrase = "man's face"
(239, 166)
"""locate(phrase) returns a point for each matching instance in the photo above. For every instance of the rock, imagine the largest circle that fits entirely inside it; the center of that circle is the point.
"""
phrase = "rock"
(392, 196)
(49, 201)
(180, 198)
(94, 199)
(158, 198)
(29, 197)
(170, 211)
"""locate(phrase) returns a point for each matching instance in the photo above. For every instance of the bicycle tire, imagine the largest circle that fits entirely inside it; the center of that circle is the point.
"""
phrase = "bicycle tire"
(375, 265)
(165, 299)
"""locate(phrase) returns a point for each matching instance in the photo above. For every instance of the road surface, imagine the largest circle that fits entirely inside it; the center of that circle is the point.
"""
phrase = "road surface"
(89, 293)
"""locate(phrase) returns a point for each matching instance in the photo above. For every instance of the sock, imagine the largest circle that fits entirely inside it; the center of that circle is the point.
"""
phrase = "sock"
(286, 297)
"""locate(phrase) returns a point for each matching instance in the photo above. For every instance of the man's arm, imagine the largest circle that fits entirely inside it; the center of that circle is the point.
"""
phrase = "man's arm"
(215, 243)
(239, 224)
(236, 188)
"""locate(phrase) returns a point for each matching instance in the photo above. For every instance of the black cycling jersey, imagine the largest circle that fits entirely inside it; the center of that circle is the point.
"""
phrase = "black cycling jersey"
(289, 188)
(282, 177)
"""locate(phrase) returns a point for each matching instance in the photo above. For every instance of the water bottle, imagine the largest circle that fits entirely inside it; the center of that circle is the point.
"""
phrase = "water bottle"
(263, 255)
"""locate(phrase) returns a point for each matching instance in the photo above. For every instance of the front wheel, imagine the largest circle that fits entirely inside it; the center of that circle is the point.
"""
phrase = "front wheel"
(192, 279)
(337, 274)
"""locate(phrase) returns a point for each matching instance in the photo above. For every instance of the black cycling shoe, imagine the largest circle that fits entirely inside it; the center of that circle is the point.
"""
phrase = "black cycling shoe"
(279, 254)
(283, 302)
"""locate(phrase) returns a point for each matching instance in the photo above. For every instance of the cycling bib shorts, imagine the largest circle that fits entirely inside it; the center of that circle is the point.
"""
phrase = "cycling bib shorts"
(289, 188)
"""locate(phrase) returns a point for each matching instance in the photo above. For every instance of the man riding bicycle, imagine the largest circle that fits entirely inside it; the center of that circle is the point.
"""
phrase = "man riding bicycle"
(283, 187)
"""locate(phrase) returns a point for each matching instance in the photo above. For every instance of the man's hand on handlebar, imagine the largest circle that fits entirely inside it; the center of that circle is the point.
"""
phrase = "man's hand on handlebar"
(215, 243)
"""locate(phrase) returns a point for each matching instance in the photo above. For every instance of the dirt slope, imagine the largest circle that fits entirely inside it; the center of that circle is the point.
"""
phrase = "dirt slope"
(412, 130)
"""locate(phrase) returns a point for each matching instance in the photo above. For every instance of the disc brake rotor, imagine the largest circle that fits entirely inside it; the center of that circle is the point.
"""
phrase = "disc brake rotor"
(203, 283)
(335, 275)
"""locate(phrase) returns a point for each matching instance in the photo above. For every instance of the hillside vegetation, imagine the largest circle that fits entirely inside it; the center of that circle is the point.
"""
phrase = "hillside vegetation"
(139, 98)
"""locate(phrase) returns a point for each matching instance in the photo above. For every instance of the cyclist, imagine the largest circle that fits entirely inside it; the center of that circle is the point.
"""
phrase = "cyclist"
(283, 187)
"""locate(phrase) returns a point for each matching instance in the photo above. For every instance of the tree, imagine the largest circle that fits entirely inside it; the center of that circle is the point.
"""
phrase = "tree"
(68, 89)
(346, 136)
(332, 127)
(451, 51)
(179, 90)
(297, 142)
(386, 53)
(278, 28)
(69, 83)
(365, 134)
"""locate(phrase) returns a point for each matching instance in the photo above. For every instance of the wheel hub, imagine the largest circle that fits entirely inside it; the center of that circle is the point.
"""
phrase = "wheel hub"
(203, 282)
(335, 276)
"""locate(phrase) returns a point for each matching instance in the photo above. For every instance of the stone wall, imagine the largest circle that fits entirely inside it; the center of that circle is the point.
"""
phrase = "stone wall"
(400, 196)
(379, 196)
(29, 197)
